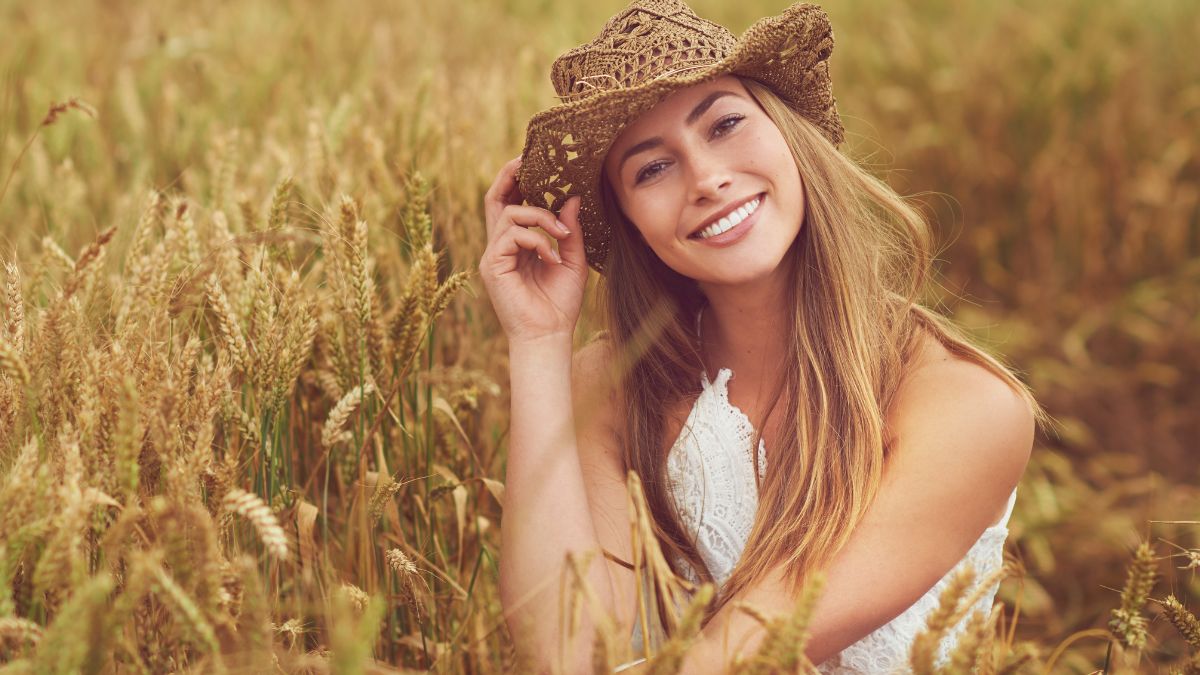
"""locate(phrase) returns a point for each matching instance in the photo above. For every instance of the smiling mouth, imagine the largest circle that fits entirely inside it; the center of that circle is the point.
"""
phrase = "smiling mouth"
(730, 221)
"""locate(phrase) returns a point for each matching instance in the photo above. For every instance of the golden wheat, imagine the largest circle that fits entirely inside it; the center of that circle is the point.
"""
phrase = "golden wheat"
(1184, 621)
(252, 508)
(926, 643)
(332, 433)
(1128, 624)
(185, 298)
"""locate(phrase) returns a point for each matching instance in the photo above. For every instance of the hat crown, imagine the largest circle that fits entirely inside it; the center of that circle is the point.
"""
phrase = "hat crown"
(647, 40)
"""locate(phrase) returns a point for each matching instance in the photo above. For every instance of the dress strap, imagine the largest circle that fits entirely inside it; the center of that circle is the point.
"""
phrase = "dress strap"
(1012, 501)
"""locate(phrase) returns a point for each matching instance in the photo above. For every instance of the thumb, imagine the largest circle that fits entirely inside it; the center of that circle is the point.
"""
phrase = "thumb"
(571, 246)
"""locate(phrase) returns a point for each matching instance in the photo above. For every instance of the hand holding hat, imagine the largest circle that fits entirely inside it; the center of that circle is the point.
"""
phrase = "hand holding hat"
(537, 292)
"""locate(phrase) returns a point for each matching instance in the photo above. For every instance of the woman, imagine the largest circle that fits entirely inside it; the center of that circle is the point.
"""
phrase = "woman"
(700, 175)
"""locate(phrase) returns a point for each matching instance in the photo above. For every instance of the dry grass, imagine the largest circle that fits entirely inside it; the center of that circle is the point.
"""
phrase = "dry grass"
(233, 285)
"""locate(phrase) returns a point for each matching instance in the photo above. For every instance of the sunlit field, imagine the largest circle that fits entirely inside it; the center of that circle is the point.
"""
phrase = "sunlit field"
(253, 399)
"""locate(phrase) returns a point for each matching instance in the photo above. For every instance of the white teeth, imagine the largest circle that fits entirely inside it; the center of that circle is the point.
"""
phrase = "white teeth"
(730, 221)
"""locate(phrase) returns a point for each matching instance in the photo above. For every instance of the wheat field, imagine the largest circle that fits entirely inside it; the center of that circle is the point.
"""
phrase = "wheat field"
(253, 398)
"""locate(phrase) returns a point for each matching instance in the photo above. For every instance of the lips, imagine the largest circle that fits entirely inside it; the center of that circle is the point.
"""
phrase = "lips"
(724, 212)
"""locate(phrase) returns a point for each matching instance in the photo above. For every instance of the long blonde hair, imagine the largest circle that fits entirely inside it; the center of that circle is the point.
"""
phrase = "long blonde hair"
(855, 271)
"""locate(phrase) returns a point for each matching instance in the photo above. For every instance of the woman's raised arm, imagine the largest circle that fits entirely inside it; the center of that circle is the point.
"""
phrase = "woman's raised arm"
(548, 509)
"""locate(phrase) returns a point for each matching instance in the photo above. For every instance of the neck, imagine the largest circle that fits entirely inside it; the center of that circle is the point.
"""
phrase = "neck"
(744, 328)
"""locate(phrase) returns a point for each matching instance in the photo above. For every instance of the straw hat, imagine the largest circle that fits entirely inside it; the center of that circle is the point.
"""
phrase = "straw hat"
(644, 53)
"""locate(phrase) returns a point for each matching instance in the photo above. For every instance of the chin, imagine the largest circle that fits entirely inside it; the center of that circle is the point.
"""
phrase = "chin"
(741, 270)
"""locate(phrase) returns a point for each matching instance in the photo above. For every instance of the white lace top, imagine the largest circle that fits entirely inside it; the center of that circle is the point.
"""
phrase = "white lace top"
(711, 473)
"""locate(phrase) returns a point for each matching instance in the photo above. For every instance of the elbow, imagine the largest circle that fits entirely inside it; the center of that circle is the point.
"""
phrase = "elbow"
(536, 635)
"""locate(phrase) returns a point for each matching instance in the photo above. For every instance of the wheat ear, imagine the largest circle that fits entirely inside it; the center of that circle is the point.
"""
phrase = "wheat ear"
(331, 433)
(925, 644)
(252, 508)
(1184, 621)
(1127, 624)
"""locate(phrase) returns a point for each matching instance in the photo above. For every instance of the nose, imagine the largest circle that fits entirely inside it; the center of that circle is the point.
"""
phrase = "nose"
(709, 176)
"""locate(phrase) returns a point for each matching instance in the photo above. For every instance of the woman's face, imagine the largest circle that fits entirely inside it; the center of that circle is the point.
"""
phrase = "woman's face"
(708, 155)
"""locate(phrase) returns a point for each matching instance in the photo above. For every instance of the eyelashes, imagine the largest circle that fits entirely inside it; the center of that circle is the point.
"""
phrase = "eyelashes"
(722, 127)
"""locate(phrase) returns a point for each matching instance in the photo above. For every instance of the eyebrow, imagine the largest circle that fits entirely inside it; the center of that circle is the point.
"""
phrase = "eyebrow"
(656, 141)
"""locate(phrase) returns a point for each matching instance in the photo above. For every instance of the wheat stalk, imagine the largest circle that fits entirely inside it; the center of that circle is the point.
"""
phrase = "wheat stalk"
(227, 322)
(251, 507)
(1127, 624)
(331, 433)
(12, 364)
(968, 652)
(185, 608)
(279, 204)
(670, 658)
(925, 644)
(357, 598)
(17, 629)
(443, 296)
(14, 326)
(782, 649)
(1183, 620)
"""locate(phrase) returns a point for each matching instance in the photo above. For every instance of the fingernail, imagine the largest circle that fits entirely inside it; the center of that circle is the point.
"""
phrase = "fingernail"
(557, 258)
(562, 227)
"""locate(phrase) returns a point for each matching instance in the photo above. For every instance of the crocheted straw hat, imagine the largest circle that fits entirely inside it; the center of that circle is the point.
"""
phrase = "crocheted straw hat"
(644, 53)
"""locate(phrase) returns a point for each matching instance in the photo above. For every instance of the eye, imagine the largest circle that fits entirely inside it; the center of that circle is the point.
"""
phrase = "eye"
(727, 123)
(648, 172)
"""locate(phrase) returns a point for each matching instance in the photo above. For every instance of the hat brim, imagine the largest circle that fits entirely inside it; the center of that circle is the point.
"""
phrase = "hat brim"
(565, 145)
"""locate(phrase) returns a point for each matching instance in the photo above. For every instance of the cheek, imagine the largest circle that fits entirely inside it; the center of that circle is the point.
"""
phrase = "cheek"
(655, 215)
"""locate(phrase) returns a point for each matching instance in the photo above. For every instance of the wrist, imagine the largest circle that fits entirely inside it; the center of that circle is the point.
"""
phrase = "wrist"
(551, 342)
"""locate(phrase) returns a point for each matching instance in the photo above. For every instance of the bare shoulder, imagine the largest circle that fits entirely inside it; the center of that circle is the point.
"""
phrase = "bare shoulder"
(952, 414)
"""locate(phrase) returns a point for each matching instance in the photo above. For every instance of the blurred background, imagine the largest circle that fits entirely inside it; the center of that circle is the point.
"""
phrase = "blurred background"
(1055, 146)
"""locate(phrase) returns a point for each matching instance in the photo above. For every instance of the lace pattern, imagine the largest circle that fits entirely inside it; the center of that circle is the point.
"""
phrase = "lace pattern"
(711, 474)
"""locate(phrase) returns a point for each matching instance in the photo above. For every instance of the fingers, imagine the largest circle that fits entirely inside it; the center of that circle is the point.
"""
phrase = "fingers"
(569, 214)
(519, 238)
(571, 246)
(526, 217)
(504, 209)
(503, 192)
